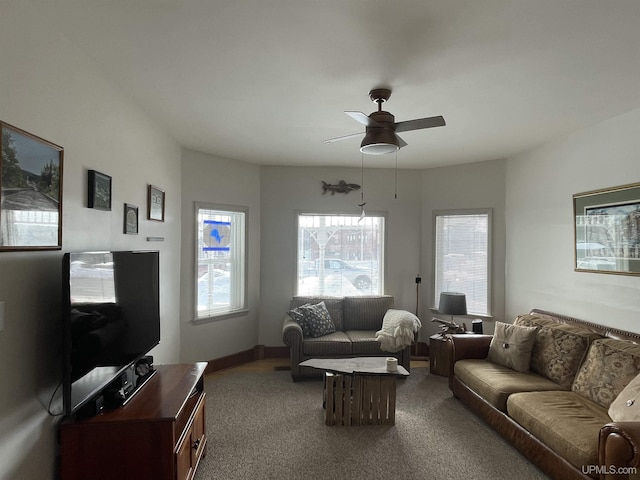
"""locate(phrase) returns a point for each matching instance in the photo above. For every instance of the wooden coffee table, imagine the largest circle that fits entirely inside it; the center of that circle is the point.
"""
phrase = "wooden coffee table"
(358, 391)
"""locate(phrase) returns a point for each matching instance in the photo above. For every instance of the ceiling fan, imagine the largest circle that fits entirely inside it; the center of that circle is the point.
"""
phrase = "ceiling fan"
(381, 128)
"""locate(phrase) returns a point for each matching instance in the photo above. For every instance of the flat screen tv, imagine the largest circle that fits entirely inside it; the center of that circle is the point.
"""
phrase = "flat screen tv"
(111, 317)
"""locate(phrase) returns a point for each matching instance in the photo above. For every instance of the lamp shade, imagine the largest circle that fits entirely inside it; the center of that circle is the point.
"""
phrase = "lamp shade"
(452, 303)
(379, 141)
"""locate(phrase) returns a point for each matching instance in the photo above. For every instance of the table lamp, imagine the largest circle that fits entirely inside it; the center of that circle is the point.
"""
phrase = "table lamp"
(451, 303)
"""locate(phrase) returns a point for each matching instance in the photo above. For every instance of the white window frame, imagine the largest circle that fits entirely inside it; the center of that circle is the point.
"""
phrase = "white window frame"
(488, 212)
(238, 267)
(383, 250)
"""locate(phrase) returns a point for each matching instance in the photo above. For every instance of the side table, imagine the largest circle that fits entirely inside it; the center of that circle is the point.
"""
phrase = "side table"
(439, 354)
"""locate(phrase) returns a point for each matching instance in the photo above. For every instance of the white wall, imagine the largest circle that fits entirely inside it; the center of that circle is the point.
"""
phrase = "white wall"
(215, 180)
(540, 248)
(49, 89)
(289, 190)
(475, 185)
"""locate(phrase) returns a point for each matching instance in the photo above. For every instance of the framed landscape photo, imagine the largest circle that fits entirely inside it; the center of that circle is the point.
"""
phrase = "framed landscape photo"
(155, 203)
(130, 219)
(99, 191)
(31, 191)
(607, 230)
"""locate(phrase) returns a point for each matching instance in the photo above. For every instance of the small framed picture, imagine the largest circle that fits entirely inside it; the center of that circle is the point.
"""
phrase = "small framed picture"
(99, 190)
(155, 203)
(130, 219)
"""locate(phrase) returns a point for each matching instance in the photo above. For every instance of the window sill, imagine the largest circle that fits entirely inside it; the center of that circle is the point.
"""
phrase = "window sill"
(222, 316)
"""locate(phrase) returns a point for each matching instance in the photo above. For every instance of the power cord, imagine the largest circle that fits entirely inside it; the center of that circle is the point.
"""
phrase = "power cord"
(51, 402)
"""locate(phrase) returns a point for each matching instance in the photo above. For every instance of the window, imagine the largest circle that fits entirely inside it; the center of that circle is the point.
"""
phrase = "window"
(221, 260)
(340, 255)
(462, 257)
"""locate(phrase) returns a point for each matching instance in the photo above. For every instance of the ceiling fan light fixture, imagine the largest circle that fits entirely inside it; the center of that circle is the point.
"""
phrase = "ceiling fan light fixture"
(379, 142)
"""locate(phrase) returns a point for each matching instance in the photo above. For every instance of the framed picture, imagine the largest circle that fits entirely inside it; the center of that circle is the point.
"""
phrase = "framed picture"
(130, 219)
(31, 191)
(607, 230)
(99, 191)
(155, 203)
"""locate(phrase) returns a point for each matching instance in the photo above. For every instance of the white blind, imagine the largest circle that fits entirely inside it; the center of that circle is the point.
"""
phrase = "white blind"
(462, 258)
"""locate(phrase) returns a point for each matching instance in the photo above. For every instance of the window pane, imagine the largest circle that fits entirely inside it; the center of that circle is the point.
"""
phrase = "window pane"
(220, 259)
(340, 255)
(462, 258)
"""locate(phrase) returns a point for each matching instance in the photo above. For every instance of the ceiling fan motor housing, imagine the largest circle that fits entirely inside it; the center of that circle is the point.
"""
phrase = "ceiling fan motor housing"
(381, 138)
(384, 118)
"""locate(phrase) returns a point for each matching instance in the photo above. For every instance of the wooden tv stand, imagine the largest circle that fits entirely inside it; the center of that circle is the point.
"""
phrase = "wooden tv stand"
(159, 434)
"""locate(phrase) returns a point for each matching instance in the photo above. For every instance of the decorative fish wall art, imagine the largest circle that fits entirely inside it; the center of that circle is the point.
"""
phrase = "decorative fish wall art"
(340, 187)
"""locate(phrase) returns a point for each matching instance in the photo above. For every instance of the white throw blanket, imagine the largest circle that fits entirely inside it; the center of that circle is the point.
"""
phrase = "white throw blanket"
(398, 329)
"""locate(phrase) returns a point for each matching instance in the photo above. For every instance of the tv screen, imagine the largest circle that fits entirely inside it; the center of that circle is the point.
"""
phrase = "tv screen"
(111, 317)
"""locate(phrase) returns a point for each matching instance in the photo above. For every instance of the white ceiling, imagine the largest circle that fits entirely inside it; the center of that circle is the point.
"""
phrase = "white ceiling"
(266, 81)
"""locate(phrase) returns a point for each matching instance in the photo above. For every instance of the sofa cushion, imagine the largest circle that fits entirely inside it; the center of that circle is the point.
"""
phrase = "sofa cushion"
(365, 312)
(511, 346)
(626, 406)
(609, 366)
(568, 423)
(333, 344)
(333, 304)
(495, 382)
(363, 342)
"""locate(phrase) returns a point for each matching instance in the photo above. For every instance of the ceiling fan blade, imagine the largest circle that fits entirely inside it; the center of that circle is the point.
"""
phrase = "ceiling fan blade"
(420, 123)
(363, 119)
(346, 137)
(401, 142)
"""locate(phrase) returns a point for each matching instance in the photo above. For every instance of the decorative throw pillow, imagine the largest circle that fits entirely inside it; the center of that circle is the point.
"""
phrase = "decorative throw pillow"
(512, 345)
(608, 368)
(626, 406)
(317, 319)
(298, 316)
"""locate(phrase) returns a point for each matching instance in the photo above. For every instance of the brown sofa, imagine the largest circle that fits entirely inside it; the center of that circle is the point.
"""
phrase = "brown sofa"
(356, 319)
(557, 413)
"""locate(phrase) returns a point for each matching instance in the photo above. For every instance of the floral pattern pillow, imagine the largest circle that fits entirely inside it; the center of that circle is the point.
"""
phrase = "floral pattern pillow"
(610, 365)
(558, 349)
(558, 352)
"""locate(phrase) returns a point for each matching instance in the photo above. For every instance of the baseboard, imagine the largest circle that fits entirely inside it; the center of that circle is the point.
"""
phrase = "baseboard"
(258, 352)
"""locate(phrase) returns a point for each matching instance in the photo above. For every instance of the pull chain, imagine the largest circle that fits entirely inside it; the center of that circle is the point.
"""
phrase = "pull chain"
(396, 179)
(362, 202)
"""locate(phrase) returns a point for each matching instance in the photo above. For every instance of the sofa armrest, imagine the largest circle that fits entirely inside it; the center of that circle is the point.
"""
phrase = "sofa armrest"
(470, 346)
(291, 332)
(292, 338)
(619, 446)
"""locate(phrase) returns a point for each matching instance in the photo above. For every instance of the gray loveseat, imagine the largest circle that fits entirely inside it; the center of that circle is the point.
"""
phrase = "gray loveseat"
(356, 319)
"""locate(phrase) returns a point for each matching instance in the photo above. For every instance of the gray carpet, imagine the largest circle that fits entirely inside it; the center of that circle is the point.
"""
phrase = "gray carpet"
(264, 426)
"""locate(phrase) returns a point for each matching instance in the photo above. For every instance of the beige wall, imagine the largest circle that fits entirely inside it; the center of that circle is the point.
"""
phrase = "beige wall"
(214, 180)
(540, 249)
(475, 185)
(289, 190)
(49, 89)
